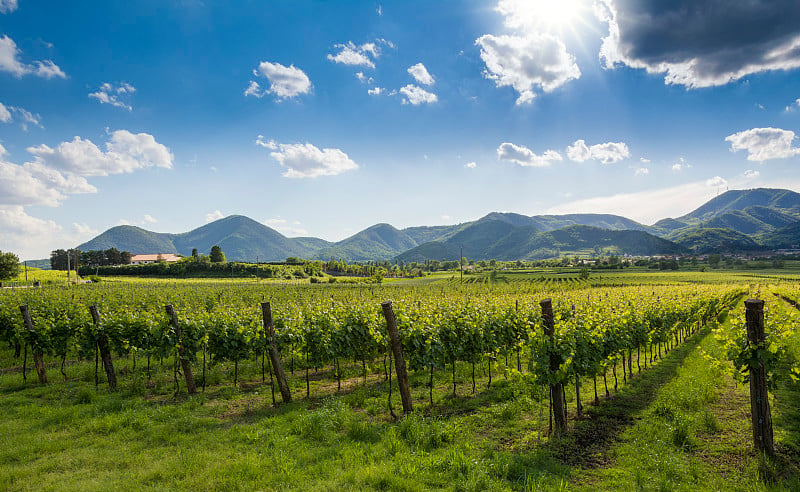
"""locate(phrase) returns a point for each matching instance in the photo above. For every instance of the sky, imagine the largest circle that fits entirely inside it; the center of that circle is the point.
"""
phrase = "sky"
(322, 118)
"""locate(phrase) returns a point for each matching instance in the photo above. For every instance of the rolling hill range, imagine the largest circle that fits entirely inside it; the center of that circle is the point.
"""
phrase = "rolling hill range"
(738, 220)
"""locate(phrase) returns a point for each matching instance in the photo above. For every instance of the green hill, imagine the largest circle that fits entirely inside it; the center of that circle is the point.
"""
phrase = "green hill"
(133, 239)
(704, 240)
(494, 239)
(378, 242)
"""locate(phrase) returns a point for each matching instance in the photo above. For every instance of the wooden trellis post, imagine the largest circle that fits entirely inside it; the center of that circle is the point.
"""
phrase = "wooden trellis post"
(759, 399)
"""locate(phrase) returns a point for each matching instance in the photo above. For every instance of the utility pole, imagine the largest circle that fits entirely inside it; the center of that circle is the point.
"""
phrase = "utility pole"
(26, 271)
(461, 264)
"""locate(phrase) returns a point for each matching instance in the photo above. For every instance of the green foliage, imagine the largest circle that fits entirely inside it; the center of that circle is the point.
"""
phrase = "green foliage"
(9, 265)
(216, 255)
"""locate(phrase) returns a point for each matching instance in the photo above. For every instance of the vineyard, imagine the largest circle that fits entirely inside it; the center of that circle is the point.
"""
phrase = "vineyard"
(540, 365)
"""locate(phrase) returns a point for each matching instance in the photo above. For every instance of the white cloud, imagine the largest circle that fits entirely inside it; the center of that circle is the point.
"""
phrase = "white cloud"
(763, 144)
(471, 165)
(114, 94)
(283, 226)
(526, 157)
(794, 105)
(83, 229)
(28, 236)
(307, 161)
(420, 74)
(642, 171)
(285, 82)
(358, 55)
(267, 144)
(126, 152)
(8, 6)
(379, 10)
(376, 91)
(149, 219)
(644, 160)
(535, 61)
(677, 167)
(215, 215)
(254, 90)
(699, 43)
(716, 182)
(63, 182)
(647, 206)
(607, 153)
(9, 62)
(750, 174)
(24, 116)
(417, 95)
(363, 78)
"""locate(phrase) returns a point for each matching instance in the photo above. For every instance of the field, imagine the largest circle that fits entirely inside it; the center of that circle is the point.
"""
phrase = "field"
(662, 406)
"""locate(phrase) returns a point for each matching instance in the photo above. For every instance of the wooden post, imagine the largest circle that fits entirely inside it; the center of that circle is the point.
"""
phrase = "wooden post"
(399, 361)
(759, 399)
(185, 365)
(37, 352)
(105, 353)
(274, 355)
(557, 388)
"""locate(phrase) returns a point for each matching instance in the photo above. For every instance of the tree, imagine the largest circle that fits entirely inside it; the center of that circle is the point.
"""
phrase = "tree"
(195, 254)
(217, 256)
(9, 266)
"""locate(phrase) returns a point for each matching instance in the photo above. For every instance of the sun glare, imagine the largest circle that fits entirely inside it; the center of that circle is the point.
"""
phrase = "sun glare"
(552, 14)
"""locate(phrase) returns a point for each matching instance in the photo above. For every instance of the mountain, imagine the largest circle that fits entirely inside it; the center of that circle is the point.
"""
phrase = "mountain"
(502, 241)
(701, 240)
(785, 237)
(378, 242)
(241, 238)
(755, 211)
(133, 239)
(737, 220)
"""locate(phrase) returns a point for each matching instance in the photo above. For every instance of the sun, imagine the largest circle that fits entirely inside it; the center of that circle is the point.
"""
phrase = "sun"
(550, 14)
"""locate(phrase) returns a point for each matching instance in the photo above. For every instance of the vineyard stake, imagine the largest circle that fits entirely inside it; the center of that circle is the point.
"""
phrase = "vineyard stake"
(274, 355)
(102, 345)
(399, 361)
(759, 399)
(37, 352)
(556, 388)
(185, 365)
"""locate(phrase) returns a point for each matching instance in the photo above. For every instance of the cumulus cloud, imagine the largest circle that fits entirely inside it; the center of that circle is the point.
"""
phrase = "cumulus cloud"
(716, 182)
(527, 63)
(642, 171)
(125, 153)
(607, 153)
(471, 165)
(750, 174)
(36, 184)
(794, 105)
(114, 95)
(306, 160)
(701, 43)
(763, 144)
(285, 82)
(420, 74)
(9, 62)
(417, 95)
(8, 6)
(358, 55)
(215, 215)
(28, 236)
(5, 114)
(375, 91)
(526, 157)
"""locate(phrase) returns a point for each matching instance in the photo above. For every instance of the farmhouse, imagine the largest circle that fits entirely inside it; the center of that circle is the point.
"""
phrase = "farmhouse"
(155, 258)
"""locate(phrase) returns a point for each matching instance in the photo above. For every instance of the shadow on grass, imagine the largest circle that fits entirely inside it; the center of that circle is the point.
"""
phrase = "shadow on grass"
(586, 444)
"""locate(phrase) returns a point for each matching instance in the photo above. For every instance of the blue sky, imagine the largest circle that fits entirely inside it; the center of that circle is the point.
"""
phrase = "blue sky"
(321, 118)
